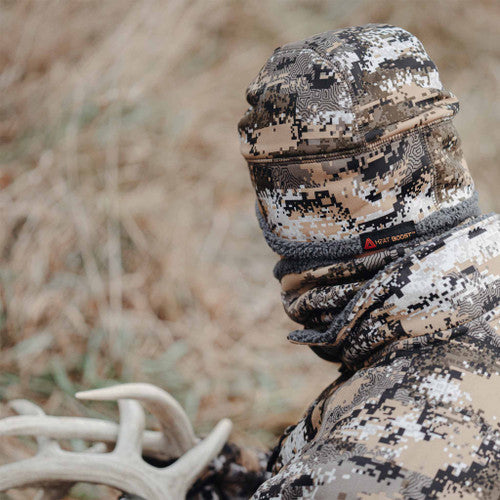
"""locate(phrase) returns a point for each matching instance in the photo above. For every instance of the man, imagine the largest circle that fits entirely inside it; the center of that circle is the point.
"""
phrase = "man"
(364, 193)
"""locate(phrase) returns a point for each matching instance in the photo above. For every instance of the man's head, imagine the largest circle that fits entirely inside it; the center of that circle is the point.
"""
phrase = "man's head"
(351, 147)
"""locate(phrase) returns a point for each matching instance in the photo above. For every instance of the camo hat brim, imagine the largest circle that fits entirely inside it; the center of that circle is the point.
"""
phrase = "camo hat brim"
(351, 147)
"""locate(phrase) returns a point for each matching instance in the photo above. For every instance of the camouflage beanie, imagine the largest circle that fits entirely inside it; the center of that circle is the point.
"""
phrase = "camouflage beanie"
(351, 147)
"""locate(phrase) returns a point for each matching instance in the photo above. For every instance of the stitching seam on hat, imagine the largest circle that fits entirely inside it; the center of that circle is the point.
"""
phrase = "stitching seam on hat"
(312, 158)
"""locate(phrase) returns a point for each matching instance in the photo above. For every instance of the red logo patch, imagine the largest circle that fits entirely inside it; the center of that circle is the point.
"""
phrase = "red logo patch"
(369, 245)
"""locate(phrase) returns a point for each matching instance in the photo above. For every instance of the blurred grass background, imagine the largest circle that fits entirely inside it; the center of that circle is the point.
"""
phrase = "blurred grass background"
(129, 250)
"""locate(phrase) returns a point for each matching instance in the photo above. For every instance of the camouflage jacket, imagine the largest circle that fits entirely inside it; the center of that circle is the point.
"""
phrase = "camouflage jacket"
(416, 411)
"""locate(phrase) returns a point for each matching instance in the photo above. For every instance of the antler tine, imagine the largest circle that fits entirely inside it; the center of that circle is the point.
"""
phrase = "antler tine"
(121, 472)
(176, 427)
(45, 445)
(88, 429)
(124, 467)
(134, 476)
(187, 468)
(25, 407)
(132, 423)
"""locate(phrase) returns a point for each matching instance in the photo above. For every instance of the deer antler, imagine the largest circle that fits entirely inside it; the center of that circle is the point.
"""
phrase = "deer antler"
(23, 407)
(123, 468)
(87, 429)
(177, 431)
(176, 438)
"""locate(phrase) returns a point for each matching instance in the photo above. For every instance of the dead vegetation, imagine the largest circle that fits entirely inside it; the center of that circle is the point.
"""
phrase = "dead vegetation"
(129, 248)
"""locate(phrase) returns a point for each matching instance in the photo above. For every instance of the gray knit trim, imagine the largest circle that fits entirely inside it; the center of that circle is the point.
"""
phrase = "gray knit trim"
(288, 265)
(321, 250)
(449, 217)
(308, 249)
(311, 336)
(426, 229)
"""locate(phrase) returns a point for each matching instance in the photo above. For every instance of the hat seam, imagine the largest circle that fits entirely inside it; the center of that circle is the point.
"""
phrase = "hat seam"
(312, 158)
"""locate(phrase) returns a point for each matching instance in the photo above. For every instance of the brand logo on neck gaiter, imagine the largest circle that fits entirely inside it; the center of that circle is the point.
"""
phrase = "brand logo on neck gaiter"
(390, 236)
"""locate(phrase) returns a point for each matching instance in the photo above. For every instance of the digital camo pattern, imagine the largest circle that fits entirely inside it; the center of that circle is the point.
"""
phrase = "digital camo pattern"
(315, 297)
(465, 270)
(351, 330)
(235, 474)
(350, 132)
(415, 414)
(341, 89)
(406, 179)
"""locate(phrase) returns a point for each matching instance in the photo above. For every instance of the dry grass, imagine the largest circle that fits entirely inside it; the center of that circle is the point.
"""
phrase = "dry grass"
(129, 248)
